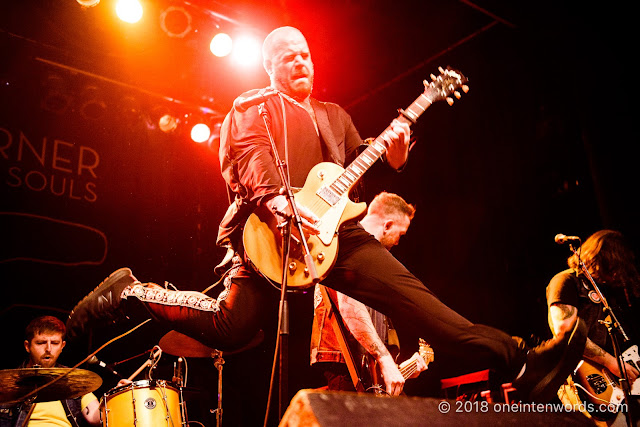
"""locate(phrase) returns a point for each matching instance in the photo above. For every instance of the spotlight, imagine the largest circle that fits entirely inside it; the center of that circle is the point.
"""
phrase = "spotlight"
(88, 3)
(200, 132)
(221, 45)
(93, 106)
(162, 118)
(246, 51)
(167, 123)
(175, 21)
(129, 10)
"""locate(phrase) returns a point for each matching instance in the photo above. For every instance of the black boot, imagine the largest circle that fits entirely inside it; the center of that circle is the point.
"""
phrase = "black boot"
(549, 364)
(102, 305)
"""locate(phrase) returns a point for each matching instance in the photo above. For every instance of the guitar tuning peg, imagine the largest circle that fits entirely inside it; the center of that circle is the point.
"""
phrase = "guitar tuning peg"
(441, 70)
(457, 94)
(449, 100)
(433, 77)
(425, 83)
(465, 88)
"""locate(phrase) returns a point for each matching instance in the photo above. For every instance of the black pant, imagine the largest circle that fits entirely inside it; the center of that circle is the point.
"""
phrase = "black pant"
(366, 271)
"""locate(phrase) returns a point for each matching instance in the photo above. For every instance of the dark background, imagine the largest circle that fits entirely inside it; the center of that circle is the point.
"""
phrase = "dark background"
(543, 143)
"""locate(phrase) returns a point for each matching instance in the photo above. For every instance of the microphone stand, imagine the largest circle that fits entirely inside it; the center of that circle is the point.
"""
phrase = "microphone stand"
(282, 344)
(612, 325)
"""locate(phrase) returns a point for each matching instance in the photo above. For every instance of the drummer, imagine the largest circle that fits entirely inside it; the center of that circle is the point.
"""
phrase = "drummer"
(44, 341)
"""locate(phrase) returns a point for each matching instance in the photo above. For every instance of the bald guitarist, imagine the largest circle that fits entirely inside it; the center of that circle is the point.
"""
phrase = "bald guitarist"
(315, 140)
(388, 218)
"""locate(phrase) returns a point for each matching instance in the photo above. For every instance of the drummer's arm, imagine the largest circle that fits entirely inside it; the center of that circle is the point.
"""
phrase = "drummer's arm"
(91, 413)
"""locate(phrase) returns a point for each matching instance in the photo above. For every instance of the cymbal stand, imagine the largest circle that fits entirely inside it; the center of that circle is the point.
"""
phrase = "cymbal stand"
(180, 379)
(218, 362)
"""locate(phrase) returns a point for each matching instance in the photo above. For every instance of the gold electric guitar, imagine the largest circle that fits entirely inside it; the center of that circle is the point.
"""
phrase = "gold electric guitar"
(326, 194)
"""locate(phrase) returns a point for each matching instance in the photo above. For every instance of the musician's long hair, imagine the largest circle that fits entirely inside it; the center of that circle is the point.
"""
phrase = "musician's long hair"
(609, 259)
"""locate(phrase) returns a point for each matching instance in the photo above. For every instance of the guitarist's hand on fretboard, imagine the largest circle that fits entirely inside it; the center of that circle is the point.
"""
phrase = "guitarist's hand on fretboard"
(420, 364)
(397, 138)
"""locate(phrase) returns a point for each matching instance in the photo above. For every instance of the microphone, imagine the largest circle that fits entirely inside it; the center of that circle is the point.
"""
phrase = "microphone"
(95, 361)
(561, 239)
(241, 104)
(177, 371)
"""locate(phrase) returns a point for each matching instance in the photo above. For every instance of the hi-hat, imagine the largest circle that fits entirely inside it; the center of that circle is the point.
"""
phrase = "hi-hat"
(73, 383)
(179, 344)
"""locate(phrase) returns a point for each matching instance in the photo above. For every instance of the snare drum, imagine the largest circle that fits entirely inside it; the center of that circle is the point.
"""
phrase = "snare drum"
(143, 403)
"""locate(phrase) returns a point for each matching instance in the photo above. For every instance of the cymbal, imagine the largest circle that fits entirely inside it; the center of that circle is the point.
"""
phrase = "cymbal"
(17, 383)
(179, 344)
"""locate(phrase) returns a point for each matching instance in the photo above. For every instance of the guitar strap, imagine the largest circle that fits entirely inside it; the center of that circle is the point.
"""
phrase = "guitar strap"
(392, 335)
(340, 330)
(326, 132)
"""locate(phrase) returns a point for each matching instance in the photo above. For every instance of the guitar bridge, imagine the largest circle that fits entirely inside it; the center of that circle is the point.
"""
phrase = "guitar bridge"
(328, 195)
(597, 382)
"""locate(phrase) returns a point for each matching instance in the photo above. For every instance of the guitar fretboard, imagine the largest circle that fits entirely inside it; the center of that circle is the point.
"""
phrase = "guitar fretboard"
(378, 147)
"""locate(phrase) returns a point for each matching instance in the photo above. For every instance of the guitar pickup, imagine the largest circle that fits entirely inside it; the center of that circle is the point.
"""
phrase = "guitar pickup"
(328, 195)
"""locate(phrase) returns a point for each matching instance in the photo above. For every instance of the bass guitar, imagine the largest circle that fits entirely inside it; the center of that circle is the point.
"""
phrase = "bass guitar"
(326, 194)
(374, 383)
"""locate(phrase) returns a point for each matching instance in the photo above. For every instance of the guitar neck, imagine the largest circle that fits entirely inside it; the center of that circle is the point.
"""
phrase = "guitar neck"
(408, 367)
(378, 147)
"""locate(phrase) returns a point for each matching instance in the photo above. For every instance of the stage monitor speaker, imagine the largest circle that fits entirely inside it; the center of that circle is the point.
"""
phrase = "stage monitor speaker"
(323, 409)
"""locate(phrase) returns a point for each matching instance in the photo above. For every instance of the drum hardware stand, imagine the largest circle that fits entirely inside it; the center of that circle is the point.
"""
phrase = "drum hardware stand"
(180, 380)
(283, 311)
(218, 362)
(152, 361)
(612, 325)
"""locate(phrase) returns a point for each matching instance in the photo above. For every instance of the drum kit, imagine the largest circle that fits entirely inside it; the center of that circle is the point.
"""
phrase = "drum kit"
(143, 403)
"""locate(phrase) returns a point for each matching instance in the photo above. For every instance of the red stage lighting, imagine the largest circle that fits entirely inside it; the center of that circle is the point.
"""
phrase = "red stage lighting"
(200, 132)
(88, 3)
(129, 10)
(247, 51)
(221, 45)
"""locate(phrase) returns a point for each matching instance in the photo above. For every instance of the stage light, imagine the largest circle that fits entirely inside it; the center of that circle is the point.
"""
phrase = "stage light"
(92, 105)
(88, 3)
(129, 10)
(221, 45)
(200, 132)
(163, 118)
(246, 51)
(175, 21)
(167, 123)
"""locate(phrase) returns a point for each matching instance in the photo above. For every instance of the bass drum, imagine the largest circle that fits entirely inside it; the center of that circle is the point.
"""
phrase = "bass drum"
(145, 403)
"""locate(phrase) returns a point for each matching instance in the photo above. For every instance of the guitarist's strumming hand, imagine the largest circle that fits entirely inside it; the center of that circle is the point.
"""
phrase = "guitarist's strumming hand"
(393, 379)
(611, 363)
(392, 375)
(281, 209)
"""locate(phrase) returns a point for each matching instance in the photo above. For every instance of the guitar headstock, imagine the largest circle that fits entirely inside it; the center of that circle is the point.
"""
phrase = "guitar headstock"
(449, 82)
(425, 351)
